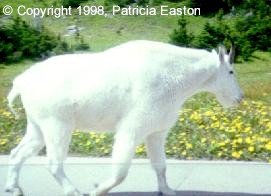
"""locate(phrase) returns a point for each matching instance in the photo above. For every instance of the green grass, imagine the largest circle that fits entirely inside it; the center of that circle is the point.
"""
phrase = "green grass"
(7, 73)
(255, 77)
(101, 32)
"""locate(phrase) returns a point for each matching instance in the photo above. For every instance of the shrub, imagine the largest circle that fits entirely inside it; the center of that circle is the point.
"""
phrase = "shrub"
(80, 43)
(72, 3)
(247, 33)
(256, 26)
(210, 37)
(121, 3)
(211, 6)
(214, 34)
(220, 32)
(180, 36)
(81, 46)
(249, 30)
(20, 40)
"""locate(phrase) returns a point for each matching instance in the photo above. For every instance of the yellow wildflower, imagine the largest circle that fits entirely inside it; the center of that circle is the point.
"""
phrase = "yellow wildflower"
(219, 154)
(102, 136)
(208, 113)
(268, 146)
(139, 149)
(248, 140)
(251, 149)
(240, 140)
(189, 145)
(214, 118)
(221, 143)
(247, 129)
(3, 141)
(181, 119)
(236, 154)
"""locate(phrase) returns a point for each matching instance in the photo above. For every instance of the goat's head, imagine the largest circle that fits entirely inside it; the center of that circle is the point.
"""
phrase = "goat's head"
(223, 82)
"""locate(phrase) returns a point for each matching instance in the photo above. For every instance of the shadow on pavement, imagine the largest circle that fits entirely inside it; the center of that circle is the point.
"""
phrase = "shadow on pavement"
(187, 193)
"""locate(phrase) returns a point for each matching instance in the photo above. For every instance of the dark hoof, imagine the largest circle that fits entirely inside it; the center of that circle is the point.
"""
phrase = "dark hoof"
(96, 185)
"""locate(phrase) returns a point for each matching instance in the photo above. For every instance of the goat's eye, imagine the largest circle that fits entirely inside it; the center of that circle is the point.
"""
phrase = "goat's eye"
(231, 72)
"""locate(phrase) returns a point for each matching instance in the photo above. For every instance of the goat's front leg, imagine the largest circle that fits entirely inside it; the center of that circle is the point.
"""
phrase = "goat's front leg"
(156, 152)
(123, 152)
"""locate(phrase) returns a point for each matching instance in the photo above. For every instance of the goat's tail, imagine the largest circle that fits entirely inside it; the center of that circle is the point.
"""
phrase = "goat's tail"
(11, 98)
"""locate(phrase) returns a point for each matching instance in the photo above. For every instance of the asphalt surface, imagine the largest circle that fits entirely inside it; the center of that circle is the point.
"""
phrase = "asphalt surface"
(188, 178)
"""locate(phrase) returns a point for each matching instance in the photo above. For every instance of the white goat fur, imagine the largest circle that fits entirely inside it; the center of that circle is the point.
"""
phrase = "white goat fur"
(135, 89)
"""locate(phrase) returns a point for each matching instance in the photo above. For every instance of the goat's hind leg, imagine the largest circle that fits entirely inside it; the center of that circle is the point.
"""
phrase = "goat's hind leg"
(57, 136)
(29, 146)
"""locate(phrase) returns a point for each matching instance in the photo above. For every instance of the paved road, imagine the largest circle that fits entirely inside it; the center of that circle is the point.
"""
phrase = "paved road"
(189, 178)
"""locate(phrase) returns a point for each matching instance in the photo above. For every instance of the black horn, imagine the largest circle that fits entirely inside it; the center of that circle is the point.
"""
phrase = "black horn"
(221, 53)
(232, 54)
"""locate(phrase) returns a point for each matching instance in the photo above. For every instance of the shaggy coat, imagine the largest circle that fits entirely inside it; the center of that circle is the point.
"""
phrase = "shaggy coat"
(135, 89)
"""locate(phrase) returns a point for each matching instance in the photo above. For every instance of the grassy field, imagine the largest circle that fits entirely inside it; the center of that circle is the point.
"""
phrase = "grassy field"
(204, 130)
(255, 77)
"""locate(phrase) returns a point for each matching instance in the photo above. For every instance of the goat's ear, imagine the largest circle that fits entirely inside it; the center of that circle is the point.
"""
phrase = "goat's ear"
(221, 54)
(232, 54)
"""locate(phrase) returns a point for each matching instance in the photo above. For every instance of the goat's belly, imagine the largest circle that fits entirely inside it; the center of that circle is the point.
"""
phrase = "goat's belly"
(103, 120)
(100, 110)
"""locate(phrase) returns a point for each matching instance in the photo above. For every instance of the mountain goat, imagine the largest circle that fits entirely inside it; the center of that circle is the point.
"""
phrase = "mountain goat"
(135, 89)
